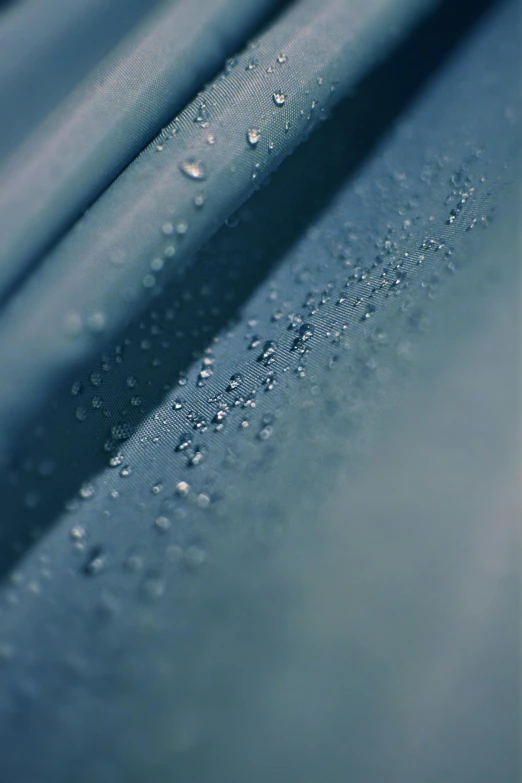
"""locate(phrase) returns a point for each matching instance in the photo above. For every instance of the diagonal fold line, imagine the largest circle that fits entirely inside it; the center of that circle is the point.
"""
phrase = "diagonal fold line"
(66, 163)
(144, 229)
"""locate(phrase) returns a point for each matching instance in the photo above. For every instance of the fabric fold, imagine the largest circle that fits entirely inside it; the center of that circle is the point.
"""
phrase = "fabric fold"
(47, 47)
(66, 163)
(145, 227)
(302, 565)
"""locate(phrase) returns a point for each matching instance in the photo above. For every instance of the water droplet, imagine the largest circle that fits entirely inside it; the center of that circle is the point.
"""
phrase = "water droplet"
(282, 58)
(220, 415)
(306, 332)
(254, 342)
(77, 388)
(266, 433)
(203, 500)
(125, 471)
(269, 382)
(279, 98)
(185, 439)
(202, 117)
(182, 489)
(95, 562)
(81, 413)
(235, 382)
(77, 533)
(199, 200)
(230, 64)
(167, 229)
(162, 524)
(267, 355)
(253, 136)
(197, 457)
(86, 491)
(193, 169)
(204, 375)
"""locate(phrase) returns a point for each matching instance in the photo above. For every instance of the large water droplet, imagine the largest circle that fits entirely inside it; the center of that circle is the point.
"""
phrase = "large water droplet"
(182, 489)
(193, 169)
(279, 98)
(253, 136)
(202, 117)
(306, 332)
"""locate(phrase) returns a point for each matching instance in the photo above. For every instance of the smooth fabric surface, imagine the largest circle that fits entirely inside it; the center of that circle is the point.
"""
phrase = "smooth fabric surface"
(47, 47)
(270, 531)
(80, 149)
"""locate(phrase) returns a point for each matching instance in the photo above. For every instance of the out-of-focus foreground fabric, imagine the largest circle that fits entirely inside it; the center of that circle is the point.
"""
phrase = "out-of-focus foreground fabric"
(259, 406)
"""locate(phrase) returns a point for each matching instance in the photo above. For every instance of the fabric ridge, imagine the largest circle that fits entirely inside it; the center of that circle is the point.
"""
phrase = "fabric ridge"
(145, 226)
(79, 150)
(259, 405)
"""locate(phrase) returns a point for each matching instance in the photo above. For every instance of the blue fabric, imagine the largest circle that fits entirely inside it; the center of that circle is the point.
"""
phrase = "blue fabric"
(47, 47)
(262, 523)
(69, 159)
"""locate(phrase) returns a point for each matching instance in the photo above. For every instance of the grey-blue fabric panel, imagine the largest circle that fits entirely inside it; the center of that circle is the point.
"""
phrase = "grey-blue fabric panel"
(108, 119)
(46, 48)
(330, 590)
